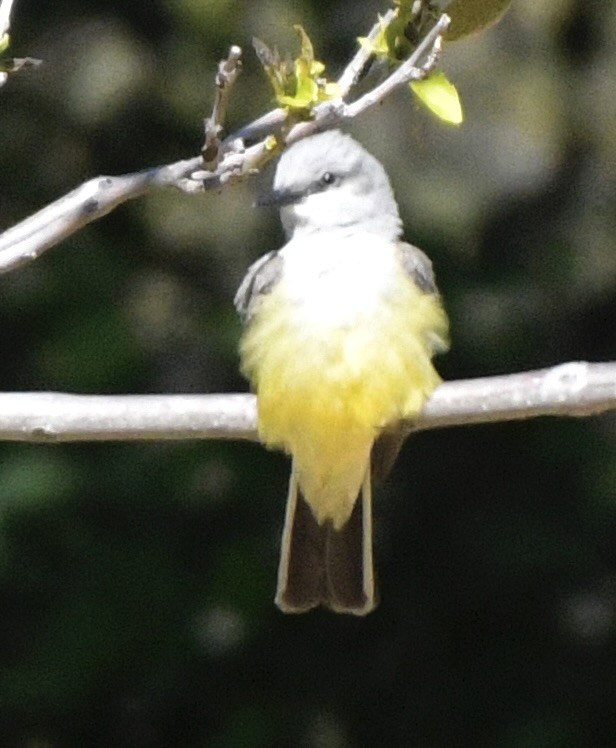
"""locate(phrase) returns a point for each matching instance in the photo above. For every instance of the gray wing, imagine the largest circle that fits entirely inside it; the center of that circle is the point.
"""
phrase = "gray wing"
(261, 277)
(418, 265)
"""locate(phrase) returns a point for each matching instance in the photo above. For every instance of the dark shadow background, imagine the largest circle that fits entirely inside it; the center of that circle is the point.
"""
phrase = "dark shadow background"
(136, 581)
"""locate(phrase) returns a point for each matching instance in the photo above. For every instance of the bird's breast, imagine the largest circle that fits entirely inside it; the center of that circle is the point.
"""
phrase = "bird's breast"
(332, 282)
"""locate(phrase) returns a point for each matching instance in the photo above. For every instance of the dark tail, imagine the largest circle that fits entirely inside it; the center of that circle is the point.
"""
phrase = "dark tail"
(320, 565)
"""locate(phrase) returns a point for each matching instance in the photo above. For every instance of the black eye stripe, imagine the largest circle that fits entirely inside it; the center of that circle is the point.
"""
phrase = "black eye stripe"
(327, 179)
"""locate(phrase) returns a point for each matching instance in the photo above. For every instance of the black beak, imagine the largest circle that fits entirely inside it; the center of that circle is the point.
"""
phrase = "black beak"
(279, 198)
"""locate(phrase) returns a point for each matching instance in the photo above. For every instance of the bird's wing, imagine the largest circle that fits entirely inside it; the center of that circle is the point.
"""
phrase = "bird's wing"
(418, 267)
(261, 277)
(417, 264)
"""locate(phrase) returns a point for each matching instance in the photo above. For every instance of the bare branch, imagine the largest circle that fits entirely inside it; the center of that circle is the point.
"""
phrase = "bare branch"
(228, 70)
(354, 69)
(229, 160)
(265, 125)
(410, 70)
(572, 389)
(92, 200)
(59, 417)
(577, 388)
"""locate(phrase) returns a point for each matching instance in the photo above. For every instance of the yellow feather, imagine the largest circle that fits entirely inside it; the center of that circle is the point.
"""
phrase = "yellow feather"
(325, 391)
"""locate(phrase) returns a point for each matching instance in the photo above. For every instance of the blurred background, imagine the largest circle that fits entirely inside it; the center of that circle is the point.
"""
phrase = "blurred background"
(136, 581)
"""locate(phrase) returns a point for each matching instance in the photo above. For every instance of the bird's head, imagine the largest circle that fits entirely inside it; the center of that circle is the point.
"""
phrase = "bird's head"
(328, 182)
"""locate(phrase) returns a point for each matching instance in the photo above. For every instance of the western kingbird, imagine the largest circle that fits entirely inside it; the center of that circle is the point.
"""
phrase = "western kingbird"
(341, 325)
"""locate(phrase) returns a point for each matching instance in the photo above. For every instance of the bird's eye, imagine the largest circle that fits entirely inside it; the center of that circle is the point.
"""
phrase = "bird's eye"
(328, 178)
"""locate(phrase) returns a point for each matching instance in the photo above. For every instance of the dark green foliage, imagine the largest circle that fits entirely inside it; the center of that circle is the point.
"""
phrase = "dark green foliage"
(136, 581)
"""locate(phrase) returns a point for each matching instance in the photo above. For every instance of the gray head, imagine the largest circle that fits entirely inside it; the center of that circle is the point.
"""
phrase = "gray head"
(329, 182)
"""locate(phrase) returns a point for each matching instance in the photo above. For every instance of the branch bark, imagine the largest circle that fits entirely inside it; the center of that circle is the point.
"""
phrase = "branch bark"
(92, 200)
(571, 389)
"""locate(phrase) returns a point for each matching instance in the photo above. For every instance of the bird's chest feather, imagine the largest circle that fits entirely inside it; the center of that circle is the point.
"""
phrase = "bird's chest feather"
(336, 282)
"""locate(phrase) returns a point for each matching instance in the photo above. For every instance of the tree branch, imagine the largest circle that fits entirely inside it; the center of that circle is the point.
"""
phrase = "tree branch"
(226, 161)
(407, 72)
(572, 389)
(228, 70)
(92, 200)
(354, 69)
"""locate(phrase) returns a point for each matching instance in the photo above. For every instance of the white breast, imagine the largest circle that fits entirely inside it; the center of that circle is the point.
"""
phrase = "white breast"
(331, 279)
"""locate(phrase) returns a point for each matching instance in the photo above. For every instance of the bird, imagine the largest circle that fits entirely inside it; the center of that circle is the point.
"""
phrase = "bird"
(340, 328)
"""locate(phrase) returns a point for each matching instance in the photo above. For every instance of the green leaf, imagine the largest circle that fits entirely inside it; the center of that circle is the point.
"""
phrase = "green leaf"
(471, 16)
(5, 40)
(440, 96)
(378, 47)
(298, 85)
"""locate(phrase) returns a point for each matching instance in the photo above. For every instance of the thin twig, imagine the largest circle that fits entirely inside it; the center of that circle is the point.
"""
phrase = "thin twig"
(410, 70)
(267, 124)
(354, 69)
(572, 389)
(227, 73)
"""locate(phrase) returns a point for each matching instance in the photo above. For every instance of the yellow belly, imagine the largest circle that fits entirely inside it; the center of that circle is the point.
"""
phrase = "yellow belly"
(325, 391)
